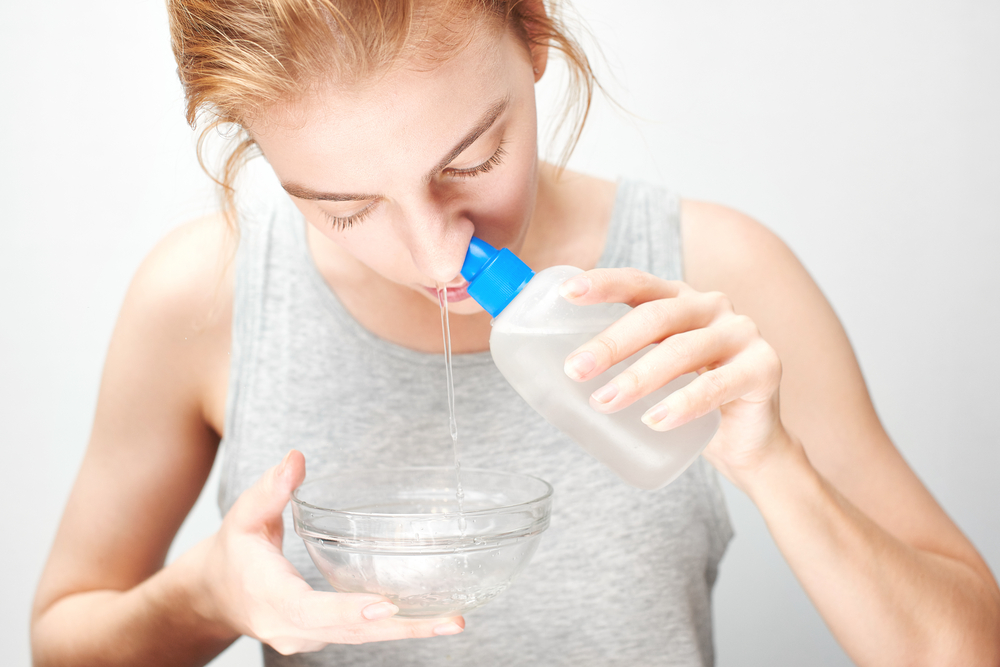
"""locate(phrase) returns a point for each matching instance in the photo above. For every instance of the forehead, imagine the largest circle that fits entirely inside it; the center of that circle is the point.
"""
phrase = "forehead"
(409, 115)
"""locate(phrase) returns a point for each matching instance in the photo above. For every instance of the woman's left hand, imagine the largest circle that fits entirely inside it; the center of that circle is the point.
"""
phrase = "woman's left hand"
(739, 372)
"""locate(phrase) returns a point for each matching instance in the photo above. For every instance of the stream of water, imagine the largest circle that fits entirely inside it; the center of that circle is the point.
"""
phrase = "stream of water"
(453, 424)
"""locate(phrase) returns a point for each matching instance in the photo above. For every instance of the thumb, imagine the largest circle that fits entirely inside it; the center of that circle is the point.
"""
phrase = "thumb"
(261, 505)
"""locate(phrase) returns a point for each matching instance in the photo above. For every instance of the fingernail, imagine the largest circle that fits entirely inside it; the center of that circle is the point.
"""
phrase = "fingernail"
(284, 464)
(379, 610)
(655, 415)
(574, 287)
(448, 629)
(579, 365)
(605, 393)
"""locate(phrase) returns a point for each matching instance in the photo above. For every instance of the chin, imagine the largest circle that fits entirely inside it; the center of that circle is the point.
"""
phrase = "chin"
(466, 307)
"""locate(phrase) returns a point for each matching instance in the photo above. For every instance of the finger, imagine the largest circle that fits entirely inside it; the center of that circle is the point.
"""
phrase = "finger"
(679, 354)
(630, 286)
(357, 617)
(394, 628)
(753, 375)
(313, 610)
(648, 323)
(262, 504)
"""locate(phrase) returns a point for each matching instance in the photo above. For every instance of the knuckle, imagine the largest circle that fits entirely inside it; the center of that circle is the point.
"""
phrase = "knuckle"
(651, 314)
(745, 326)
(608, 348)
(282, 644)
(292, 645)
(283, 647)
(719, 302)
(679, 289)
(772, 362)
(629, 381)
(279, 646)
(634, 275)
(601, 279)
(680, 350)
(714, 385)
(635, 280)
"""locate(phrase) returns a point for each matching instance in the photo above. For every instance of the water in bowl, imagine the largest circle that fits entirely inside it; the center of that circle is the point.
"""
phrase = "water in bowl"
(428, 573)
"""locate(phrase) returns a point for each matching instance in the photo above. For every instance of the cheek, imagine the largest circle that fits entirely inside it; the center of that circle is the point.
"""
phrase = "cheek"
(504, 209)
(380, 251)
(366, 244)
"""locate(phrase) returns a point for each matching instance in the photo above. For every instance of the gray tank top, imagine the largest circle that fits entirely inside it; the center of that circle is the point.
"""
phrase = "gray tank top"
(622, 576)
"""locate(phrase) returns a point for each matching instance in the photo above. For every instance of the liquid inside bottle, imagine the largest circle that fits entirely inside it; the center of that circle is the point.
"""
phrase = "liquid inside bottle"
(535, 330)
(533, 364)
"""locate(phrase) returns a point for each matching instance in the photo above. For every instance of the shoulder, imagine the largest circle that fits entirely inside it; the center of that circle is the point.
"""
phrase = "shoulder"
(175, 321)
(188, 267)
(184, 286)
(724, 247)
(730, 252)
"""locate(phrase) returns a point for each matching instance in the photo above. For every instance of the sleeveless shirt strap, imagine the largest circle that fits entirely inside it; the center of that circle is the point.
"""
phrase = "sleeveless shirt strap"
(645, 231)
(256, 223)
(666, 256)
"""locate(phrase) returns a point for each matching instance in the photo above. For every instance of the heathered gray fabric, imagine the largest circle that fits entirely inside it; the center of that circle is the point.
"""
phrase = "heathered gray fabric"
(622, 576)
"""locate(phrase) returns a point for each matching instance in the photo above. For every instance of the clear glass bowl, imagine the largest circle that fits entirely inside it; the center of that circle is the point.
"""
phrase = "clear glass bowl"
(398, 532)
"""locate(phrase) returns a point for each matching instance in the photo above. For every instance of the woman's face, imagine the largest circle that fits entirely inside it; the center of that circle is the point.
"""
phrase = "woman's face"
(400, 172)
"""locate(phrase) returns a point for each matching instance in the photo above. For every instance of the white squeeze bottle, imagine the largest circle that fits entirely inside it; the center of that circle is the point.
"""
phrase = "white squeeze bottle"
(535, 329)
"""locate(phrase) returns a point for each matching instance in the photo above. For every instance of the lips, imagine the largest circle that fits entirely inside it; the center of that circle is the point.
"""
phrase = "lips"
(455, 294)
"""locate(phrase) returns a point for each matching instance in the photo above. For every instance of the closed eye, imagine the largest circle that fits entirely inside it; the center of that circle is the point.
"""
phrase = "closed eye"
(344, 222)
(494, 161)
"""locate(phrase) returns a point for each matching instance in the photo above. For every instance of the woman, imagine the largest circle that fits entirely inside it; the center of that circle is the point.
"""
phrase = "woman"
(397, 136)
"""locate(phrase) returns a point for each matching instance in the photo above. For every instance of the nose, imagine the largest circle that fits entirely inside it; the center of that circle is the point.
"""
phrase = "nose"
(437, 237)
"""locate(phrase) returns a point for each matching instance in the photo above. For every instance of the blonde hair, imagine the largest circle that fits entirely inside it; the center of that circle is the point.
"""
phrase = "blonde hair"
(237, 58)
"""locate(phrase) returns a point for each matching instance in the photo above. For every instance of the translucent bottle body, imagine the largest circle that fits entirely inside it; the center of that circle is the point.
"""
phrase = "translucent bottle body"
(530, 341)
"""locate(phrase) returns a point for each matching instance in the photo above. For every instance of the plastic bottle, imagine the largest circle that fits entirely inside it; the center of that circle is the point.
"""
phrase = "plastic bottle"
(535, 329)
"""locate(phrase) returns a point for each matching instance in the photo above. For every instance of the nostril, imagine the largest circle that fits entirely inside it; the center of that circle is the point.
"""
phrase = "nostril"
(438, 243)
(440, 266)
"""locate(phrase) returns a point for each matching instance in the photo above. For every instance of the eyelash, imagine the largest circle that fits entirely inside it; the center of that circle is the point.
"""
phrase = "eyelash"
(342, 223)
(484, 167)
(345, 223)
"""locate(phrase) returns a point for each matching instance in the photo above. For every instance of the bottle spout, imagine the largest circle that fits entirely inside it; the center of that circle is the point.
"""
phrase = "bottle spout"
(480, 254)
(495, 276)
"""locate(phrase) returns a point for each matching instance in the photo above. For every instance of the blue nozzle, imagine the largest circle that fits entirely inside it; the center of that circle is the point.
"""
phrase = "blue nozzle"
(479, 255)
(495, 276)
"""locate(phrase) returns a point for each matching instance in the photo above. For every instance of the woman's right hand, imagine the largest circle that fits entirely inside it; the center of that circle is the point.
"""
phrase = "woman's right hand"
(250, 588)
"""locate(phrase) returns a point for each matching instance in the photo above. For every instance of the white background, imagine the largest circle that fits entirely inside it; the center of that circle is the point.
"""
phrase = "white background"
(866, 134)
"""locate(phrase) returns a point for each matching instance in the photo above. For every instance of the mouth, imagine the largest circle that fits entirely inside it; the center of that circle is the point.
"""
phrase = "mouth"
(454, 294)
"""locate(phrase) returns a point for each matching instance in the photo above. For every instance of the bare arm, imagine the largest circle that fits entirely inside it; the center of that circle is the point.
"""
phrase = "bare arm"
(150, 452)
(894, 578)
(105, 596)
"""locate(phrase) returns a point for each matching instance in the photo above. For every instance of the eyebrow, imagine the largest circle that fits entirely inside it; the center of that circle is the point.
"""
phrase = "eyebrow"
(484, 124)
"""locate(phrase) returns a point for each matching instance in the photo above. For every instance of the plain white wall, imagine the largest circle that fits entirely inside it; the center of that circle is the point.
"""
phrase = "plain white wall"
(866, 134)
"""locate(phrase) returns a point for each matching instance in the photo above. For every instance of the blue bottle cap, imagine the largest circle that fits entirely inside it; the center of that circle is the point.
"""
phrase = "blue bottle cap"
(495, 276)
